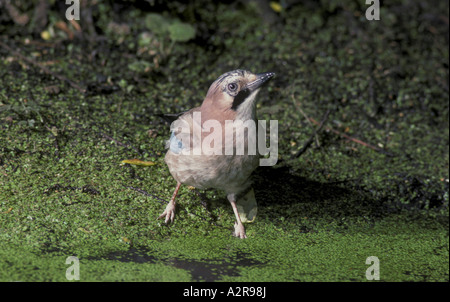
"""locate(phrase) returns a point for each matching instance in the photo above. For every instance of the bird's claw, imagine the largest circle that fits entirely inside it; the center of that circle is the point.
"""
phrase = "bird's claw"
(239, 230)
(169, 213)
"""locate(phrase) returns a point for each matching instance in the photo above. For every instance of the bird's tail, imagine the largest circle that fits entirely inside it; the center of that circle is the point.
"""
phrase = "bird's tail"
(247, 207)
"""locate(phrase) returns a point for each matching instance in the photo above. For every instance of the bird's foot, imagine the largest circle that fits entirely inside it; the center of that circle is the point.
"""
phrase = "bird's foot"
(169, 213)
(239, 230)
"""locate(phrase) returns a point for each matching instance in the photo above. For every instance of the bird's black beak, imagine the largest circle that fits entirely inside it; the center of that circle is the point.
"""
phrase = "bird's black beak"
(261, 78)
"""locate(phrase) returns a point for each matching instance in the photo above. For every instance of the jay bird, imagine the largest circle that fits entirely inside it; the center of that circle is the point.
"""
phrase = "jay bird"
(231, 97)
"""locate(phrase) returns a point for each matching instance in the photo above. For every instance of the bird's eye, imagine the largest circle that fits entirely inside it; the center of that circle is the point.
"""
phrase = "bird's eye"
(232, 86)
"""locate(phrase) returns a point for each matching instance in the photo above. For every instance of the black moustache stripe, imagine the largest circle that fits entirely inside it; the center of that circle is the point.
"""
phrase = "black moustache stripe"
(240, 98)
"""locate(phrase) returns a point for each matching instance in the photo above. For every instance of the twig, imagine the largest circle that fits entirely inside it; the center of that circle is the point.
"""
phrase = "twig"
(306, 117)
(159, 199)
(358, 141)
(120, 143)
(43, 68)
(21, 19)
(316, 131)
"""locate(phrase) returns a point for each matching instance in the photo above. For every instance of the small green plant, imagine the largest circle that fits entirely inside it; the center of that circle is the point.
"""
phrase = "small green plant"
(172, 29)
(159, 39)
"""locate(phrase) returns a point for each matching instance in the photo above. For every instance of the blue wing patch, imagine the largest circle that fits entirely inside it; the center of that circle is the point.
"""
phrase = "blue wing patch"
(175, 145)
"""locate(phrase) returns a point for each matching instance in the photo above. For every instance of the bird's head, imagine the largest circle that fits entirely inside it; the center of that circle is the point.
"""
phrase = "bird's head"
(232, 95)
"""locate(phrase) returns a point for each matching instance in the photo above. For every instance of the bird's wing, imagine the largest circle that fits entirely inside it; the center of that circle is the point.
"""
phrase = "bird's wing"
(182, 133)
(170, 117)
(175, 144)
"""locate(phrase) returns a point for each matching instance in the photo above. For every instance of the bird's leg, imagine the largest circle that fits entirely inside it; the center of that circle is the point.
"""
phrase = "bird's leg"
(239, 230)
(169, 212)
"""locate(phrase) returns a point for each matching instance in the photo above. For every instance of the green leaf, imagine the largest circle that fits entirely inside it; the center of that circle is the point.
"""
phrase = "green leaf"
(157, 23)
(181, 32)
(137, 162)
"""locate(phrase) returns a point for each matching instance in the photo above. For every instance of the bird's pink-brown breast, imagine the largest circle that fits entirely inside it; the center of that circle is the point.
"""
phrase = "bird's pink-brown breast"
(226, 172)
